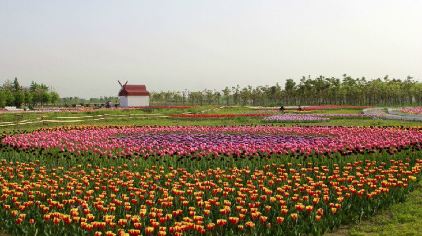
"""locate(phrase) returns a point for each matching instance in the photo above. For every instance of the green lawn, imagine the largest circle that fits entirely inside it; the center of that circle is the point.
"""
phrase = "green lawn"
(400, 219)
(140, 117)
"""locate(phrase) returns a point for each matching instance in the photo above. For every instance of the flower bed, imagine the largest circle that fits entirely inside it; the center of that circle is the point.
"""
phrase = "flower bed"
(296, 118)
(347, 116)
(204, 141)
(412, 110)
(327, 107)
(166, 107)
(211, 116)
(292, 199)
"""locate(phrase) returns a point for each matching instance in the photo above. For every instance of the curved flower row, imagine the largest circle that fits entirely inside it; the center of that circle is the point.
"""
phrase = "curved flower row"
(199, 116)
(334, 115)
(203, 141)
(412, 110)
(296, 118)
(327, 107)
(274, 200)
(167, 107)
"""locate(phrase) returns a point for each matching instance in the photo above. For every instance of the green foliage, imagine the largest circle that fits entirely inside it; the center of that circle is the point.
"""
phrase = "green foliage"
(309, 91)
(403, 218)
(69, 101)
(13, 94)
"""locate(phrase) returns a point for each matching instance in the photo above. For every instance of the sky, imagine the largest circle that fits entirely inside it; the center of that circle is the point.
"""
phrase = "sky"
(82, 47)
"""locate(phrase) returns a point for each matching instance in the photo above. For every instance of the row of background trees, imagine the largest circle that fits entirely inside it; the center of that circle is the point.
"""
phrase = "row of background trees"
(14, 94)
(308, 91)
(72, 101)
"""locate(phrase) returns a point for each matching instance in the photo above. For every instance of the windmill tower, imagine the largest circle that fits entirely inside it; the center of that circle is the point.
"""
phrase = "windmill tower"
(121, 85)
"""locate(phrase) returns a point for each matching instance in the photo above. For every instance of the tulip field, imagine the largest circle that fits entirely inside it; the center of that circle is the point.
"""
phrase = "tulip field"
(270, 177)
(278, 199)
(213, 141)
(412, 110)
(296, 117)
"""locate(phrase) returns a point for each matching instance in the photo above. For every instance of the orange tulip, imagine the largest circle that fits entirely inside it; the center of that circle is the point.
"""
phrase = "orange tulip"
(250, 224)
(149, 230)
(309, 208)
(210, 226)
(280, 219)
(221, 222)
(234, 220)
(294, 216)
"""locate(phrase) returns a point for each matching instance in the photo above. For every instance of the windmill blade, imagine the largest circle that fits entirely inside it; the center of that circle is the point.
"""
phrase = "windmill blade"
(120, 83)
(126, 82)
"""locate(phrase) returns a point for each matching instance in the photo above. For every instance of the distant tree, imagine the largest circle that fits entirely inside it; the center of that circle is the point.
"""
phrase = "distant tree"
(54, 97)
(19, 96)
(209, 96)
(217, 96)
(27, 97)
(45, 98)
(40, 93)
(12, 93)
(10, 99)
(289, 88)
(245, 95)
(307, 91)
(2, 98)
(236, 94)
(226, 92)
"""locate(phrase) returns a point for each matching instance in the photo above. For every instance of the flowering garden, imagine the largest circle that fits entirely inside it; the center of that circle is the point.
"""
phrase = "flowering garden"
(260, 179)
(211, 116)
(278, 199)
(412, 110)
(213, 141)
(296, 118)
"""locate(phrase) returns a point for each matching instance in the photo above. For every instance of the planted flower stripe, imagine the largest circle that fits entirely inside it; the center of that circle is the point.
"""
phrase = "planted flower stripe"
(346, 115)
(209, 116)
(161, 107)
(296, 118)
(314, 117)
(277, 199)
(412, 110)
(327, 107)
(236, 141)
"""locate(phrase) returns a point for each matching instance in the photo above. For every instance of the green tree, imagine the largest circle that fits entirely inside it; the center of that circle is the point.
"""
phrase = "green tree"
(226, 92)
(2, 98)
(19, 96)
(289, 88)
(27, 97)
(54, 97)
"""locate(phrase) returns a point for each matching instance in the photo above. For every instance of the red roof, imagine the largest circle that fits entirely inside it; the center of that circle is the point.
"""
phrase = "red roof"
(133, 90)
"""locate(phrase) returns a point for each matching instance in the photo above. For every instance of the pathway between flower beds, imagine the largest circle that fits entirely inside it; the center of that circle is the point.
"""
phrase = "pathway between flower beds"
(78, 119)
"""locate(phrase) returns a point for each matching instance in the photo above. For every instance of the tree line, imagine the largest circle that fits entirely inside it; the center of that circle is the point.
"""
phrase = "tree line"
(14, 94)
(73, 101)
(308, 91)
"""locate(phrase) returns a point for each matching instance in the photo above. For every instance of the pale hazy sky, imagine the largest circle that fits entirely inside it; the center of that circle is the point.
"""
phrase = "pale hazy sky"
(82, 47)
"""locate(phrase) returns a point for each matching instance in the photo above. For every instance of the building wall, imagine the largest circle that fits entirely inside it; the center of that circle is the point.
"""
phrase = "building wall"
(134, 101)
(123, 101)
